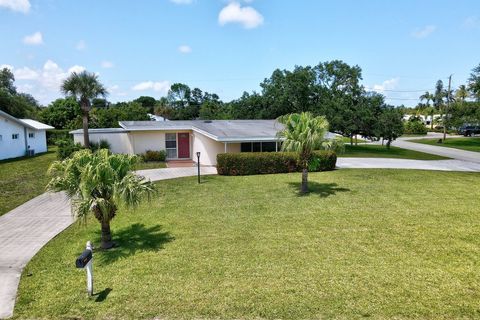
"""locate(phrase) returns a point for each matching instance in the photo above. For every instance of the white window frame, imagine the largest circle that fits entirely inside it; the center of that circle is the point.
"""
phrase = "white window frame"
(31, 135)
(176, 144)
(15, 136)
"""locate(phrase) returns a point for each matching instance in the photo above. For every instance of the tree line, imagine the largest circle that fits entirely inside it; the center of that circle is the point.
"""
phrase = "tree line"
(332, 89)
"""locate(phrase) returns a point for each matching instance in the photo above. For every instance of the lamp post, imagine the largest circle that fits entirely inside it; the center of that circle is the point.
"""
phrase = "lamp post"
(198, 165)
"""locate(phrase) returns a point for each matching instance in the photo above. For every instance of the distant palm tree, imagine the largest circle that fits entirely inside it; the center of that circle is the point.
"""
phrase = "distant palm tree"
(427, 96)
(98, 183)
(303, 133)
(462, 93)
(85, 87)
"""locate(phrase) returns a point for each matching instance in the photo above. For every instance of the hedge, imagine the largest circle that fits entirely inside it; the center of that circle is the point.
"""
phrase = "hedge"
(151, 155)
(240, 164)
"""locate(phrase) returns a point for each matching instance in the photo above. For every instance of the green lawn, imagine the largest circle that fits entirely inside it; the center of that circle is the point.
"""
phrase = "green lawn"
(347, 140)
(23, 179)
(363, 243)
(469, 144)
(379, 151)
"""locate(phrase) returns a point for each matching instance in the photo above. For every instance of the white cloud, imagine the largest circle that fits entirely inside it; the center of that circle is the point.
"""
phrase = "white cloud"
(33, 39)
(424, 32)
(247, 16)
(81, 45)
(182, 1)
(16, 5)
(25, 73)
(43, 83)
(161, 86)
(471, 23)
(389, 84)
(185, 49)
(107, 64)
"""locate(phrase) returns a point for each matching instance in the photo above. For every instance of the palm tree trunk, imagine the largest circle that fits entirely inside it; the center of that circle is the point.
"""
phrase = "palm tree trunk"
(304, 187)
(431, 120)
(106, 236)
(86, 140)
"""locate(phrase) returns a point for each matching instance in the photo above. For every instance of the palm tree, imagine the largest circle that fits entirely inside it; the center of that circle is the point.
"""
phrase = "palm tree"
(98, 183)
(303, 133)
(462, 93)
(85, 87)
(427, 96)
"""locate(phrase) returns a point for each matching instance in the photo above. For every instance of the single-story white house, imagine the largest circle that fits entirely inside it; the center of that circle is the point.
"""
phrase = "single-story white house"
(183, 139)
(20, 137)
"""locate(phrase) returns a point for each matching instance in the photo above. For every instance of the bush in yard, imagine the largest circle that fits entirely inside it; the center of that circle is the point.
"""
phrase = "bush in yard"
(67, 147)
(102, 144)
(239, 164)
(415, 127)
(151, 155)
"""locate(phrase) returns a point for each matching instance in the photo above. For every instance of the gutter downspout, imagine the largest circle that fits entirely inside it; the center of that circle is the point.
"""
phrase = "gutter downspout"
(25, 139)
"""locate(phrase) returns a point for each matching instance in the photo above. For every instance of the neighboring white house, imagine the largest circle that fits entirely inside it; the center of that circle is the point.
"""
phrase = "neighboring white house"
(20, 137)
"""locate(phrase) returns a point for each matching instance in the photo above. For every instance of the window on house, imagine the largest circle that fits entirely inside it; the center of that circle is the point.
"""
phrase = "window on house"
(171, 145)
(269, 146)
(246, 147)
(258, 147)
(31, 135)
(15, 136)
(1, 138)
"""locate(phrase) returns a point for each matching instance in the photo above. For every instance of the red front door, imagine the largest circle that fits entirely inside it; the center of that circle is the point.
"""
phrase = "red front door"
(184, 145)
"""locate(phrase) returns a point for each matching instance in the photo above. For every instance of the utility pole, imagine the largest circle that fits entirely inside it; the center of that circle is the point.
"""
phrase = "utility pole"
(448, 108)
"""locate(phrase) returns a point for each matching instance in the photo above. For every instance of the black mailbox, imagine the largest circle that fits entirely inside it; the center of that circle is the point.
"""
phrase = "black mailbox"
(83, 259)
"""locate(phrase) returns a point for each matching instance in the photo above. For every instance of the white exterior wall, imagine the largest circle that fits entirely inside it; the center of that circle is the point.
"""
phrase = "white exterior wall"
(119, 141)
(11, 148)
(39, 141)
(209, 149)
(147, 140)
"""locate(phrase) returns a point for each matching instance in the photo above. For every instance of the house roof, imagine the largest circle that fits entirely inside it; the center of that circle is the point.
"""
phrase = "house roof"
(29, 123)
(36, 124)
(219, 130)
(102, 130)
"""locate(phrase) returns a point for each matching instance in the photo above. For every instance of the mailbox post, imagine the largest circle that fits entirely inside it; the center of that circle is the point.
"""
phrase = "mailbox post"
(85, 261)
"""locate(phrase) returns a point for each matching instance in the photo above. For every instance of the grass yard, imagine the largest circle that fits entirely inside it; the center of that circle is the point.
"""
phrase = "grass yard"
(469, 144)
(23, 179)
(379, 151)
(363, 243)
(347, 140)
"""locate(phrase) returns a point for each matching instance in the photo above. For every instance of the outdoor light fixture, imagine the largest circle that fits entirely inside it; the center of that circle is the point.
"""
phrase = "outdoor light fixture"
(198, 165)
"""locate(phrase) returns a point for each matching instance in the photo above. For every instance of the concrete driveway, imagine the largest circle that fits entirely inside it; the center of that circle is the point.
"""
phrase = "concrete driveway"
(439, 150)
(386, 163)
(23, 232)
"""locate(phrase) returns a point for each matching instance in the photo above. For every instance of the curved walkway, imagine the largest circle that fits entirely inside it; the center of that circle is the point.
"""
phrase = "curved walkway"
(27, 228)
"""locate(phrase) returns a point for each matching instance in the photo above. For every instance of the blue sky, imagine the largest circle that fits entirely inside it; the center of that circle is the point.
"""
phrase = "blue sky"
(227, 47)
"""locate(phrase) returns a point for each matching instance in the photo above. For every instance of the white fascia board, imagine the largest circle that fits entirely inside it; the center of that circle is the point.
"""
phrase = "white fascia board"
(251, 139)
